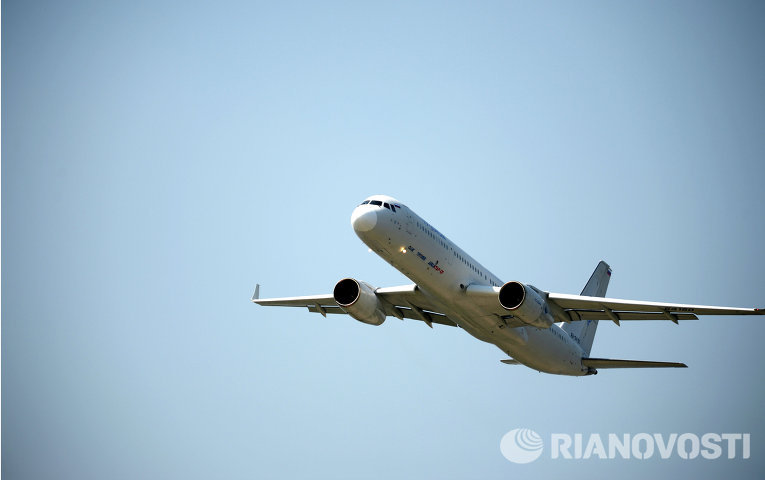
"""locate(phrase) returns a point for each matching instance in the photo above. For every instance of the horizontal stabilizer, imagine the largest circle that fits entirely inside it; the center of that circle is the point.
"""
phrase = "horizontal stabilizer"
(610, 363)
(510, 361)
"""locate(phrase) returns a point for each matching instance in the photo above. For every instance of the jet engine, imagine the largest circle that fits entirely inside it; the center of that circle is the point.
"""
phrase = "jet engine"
(358, 299)
(526, 303)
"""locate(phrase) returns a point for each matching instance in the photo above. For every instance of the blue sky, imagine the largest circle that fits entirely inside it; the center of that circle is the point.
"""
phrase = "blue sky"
(160, 158)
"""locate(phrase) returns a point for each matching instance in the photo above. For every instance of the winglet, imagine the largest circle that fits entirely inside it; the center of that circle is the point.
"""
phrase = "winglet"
(256, 295)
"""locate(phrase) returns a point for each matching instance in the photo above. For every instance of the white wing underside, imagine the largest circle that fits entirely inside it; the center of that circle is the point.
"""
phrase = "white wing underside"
(579, 307)
(408, 301)
(405, 301)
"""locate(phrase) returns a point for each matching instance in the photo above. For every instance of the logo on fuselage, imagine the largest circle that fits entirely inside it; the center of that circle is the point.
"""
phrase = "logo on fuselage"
(422, 257)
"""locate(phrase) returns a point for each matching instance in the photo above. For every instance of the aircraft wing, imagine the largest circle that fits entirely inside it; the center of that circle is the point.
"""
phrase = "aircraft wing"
(406, 301)
(579, 307)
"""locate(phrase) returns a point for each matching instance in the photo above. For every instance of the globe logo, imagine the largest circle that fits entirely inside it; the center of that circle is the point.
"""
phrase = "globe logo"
(521, 445)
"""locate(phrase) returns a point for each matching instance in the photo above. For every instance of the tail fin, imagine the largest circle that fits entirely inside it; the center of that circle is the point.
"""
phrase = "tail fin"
(584, 331)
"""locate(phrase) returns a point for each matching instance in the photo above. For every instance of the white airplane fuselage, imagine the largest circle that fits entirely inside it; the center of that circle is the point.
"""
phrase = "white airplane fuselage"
(443, 271)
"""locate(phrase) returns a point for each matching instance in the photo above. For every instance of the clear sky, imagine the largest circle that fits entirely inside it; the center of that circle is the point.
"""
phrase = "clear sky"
(161, 158)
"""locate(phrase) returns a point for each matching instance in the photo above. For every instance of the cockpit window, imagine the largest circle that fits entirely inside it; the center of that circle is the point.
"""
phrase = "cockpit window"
(386, 206)
(376, 202)
(365, 202)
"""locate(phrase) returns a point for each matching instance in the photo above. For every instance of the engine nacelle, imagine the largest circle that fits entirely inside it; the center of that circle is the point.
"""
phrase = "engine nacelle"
(358, 299)
(526, 304)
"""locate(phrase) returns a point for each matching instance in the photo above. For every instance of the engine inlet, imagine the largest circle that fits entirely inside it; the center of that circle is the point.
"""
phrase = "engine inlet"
(346, 292)
(511, 295)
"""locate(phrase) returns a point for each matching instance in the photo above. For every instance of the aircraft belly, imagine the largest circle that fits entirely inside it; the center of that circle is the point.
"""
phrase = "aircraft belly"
(426, 265)
(545, 353)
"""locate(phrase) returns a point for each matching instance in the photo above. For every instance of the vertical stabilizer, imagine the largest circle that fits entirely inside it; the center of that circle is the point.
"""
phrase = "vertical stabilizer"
(584, 331)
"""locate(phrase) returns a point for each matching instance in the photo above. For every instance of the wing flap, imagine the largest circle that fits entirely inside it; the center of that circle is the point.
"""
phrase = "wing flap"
(433, 317)
(305, 301)
(612, 363)
(575, 315)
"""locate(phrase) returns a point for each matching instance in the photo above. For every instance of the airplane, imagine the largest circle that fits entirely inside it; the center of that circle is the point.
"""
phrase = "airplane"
(548, 332)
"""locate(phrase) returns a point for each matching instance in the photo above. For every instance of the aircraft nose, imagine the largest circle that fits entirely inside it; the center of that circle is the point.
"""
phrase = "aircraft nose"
(364, 219)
